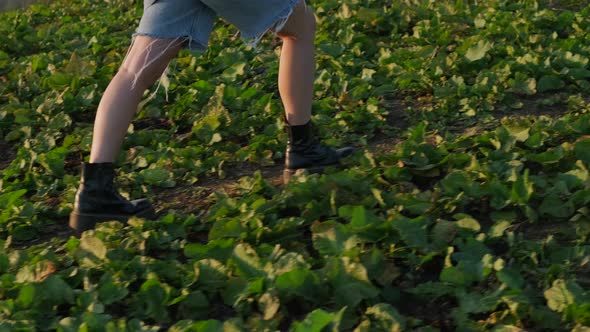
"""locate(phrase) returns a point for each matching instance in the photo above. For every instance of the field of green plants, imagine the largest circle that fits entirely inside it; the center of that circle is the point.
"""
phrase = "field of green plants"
(467, 207)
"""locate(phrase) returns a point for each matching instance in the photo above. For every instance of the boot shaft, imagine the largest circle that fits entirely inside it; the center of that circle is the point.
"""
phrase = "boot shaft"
(96, 177)
(300, 138)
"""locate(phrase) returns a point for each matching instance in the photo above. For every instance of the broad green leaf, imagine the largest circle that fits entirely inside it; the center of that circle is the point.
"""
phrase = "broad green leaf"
(476, 302)
(562, 294)
(553, 205)
(207, 326)
(478, 51)
(26, 295)
(92, 249)
(550, 83)
(467, 222)
(582, 150)
(158, 176)
(316, 321)
(412, 231)
(269, 305)
(444, 232)
(519, 129)
(227, 228)
(358, 214)
(387, 318)
(211, 273)
(301, 282)
(350, 282)
(56, 291)
(234, 71)
(219, 249)
(247, 262)
(330, 238)
(511, 278)
(111, 291)
(4, 262)
(152, 299)
(522, 189)
(454, 275)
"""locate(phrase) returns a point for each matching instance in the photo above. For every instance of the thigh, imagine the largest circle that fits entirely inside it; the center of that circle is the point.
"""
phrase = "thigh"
(252, 17)
(148, 58)
(148, 52)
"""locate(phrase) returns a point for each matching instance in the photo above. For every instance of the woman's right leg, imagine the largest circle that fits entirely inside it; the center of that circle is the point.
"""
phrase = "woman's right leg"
(144, 64)
(97, 200)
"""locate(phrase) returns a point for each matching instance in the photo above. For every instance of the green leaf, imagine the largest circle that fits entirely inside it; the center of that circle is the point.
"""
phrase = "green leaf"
(522, 189)
(582, 150)
(233, 72)
(476, 302)
(157, 176)
(110, 292)
(152, 299)
(300, 282)
(519, 129)
(412, 231)
(54, 160)
(579, 73)
(330, 238)
(91, 250)
(211, 273)
(386, 318)
(210, 325)
(359, 216)
(9, 198)
(444, 232)
(477, 52)
(454, 275)
(269, 305)
(227, 228)
(26, 295)
(350, 281)
(511, 278)
(465, 221)
(56, 291)
(4, 262)
(550, 83)
(219, 249)
(316, 321)
(553, 205)
(551, 156)
(562, 294)
(247, 262)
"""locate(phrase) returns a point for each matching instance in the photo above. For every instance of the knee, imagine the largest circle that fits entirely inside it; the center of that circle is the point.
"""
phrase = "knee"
(301, 25)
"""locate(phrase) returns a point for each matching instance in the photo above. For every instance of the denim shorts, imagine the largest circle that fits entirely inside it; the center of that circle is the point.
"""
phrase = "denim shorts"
(194, 19)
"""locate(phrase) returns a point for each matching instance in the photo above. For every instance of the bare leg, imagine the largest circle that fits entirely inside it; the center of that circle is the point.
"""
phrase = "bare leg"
(297, 64)
(145, 63)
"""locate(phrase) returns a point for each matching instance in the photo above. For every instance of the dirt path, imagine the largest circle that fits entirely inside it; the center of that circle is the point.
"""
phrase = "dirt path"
(7, 154)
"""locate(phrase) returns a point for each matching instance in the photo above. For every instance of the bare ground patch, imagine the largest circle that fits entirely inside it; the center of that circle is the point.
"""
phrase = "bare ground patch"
(7, 153)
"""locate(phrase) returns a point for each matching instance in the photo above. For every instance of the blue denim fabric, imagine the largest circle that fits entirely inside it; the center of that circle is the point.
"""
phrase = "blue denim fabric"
(194, 19)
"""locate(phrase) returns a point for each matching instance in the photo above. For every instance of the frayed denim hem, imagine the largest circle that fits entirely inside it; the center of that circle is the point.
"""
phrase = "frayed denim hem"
(275, 25)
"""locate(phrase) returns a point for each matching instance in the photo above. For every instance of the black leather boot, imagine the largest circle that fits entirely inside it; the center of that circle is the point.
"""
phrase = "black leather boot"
(97, 200)
(306, 153)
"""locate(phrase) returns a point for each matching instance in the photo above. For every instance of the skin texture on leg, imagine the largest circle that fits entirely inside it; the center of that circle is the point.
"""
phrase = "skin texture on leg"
(144, 64)
(297, 64)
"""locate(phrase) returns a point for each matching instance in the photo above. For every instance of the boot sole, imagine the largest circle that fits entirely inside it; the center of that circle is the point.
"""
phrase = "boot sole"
(81, 222)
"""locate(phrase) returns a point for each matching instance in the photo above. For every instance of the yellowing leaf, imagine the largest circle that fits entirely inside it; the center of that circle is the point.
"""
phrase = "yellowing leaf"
(478, 51)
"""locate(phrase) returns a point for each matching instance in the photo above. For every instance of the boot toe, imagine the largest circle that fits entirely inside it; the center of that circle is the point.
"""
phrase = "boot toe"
(345, 151)
(143, 208)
